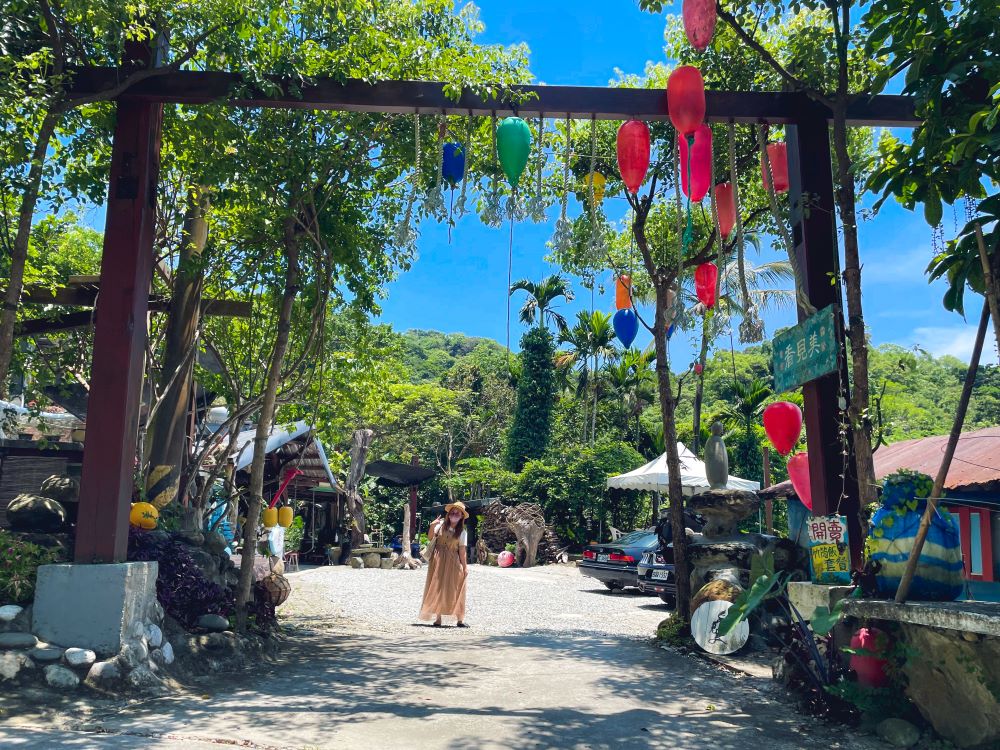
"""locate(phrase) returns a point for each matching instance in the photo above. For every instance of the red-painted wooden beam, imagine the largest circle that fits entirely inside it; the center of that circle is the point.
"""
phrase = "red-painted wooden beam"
(120, 338)
(428, 97)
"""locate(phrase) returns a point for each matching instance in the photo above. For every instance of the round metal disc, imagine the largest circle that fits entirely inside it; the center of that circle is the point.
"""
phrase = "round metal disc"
(705, 625)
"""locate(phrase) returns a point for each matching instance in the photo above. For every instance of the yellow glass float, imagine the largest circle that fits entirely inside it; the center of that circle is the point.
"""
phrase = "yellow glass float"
(269, 517)
(285, 516)
(143, 515)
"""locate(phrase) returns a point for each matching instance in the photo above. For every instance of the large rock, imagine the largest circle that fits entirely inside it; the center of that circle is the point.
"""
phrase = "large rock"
(80, 657)
(154, 636)
(104, 671)
(357, 563)
(29, 512)
(60, 488)
(60, 677)
(46, 653)
(898, 732)
(212, 622)
(372, 560)
(133, 654)
(723, 510)
(10, 612)
(955, 684)
(215, 543)
(17, 640)
(11, 664)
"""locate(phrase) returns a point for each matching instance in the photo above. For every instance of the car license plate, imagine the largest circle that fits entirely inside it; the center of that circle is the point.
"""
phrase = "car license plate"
(661, 575)
(602, 558)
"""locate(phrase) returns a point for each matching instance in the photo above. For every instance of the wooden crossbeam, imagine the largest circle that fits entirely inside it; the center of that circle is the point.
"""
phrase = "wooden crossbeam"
(79, 296)
(428, 97)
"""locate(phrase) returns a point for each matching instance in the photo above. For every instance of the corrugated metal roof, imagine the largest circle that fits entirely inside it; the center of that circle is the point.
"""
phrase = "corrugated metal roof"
(975, 466)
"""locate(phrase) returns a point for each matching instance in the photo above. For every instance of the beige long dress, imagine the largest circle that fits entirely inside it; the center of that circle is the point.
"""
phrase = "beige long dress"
(444, 589)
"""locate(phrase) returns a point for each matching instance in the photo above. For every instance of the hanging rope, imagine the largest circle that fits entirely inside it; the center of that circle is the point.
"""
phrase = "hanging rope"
(434, 200)
(460, 209)
(405, 236)
(596, 239)
(786, 237)
(676, 170)
(536, 207)
(751, 327)
(492, 215)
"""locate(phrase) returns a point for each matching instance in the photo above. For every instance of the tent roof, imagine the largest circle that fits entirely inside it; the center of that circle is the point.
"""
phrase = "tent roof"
(398, 475)
(313, 461)
(654, 476)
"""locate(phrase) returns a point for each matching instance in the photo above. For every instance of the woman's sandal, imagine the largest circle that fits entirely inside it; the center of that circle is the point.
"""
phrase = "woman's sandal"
(436, 624)
(461, 625)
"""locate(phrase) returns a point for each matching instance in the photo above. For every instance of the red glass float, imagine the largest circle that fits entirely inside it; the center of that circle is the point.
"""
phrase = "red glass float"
(798, 472)
(698, 369)
(698, 163)
(725, 206)
(633, 153)
(783, 425)
(705, 277)
(777, 154)
(699, 22)
(686, 99)
(870, 667)
(623, 299)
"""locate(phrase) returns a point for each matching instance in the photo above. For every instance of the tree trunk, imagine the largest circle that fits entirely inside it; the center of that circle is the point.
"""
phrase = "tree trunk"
(992, 285)
(860, 390)
(406, 561)
(169, 428)
(19, 249)
(266, 419)
(360, 442)
(681, 568)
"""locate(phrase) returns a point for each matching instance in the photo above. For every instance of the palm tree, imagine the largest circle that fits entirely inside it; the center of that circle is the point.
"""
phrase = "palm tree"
(743, 412)
(540, 299)
(590, 340)
(633, 382)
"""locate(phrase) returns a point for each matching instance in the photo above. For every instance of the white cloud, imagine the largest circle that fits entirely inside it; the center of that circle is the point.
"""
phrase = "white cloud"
(956, 340)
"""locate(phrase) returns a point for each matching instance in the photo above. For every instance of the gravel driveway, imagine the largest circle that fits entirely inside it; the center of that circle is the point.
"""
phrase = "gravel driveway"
(499, 600)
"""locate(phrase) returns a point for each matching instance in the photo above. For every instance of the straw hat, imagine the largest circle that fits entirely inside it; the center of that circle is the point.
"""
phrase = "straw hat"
(460, 505)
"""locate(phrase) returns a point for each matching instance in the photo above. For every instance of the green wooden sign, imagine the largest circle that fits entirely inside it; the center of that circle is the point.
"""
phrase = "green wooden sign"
(806, 351)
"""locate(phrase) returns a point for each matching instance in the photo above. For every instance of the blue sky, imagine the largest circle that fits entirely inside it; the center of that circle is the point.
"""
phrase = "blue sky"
(461, 287)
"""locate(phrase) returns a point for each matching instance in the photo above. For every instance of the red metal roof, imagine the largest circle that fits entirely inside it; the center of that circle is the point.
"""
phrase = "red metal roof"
(975, 466)
(976, 462)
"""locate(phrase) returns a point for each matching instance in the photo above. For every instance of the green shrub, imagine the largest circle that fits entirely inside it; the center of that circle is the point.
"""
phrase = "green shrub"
(19, 561)
(536, 397)
(294, 534)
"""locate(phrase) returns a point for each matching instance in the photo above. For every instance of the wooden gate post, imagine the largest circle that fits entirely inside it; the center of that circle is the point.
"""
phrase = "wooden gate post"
(121, 330)
(832, 474)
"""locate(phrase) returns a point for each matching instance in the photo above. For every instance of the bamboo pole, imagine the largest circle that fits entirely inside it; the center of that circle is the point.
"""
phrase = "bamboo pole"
(956, 431)
(992, 293)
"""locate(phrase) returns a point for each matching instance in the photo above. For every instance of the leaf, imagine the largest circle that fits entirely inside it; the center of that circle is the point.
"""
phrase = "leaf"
(823, 618)
(932, 207)
(749, 600)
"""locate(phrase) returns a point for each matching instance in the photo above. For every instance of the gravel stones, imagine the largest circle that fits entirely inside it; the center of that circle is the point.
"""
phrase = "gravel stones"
(80, 657)
(17, 640)
(10, 612)
(58, 676)
(213, 623)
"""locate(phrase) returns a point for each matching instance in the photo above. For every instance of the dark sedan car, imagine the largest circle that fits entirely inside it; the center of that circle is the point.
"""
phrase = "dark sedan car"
(614, 563)
(655, 574)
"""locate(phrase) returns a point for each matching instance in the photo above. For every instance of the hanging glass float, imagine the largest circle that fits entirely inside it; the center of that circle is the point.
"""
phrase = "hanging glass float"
(783, 425)
(453, 164)
(623, 297)
(777, 154)
(513, 148)
(699, 22)
(698, 368)
(725, 206)
(626, 326)
(705, 278)
(285, 516)
(633, 154)
(798, 472)
(597, 182)
(269, 517)
(686, 99)
(696, 165)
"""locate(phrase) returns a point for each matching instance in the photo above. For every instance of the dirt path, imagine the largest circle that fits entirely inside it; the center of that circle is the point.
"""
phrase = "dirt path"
(352, 685)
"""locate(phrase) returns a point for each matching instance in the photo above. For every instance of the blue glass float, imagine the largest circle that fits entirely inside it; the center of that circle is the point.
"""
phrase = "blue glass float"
(626, 326)
(453, 163)
(893, 529)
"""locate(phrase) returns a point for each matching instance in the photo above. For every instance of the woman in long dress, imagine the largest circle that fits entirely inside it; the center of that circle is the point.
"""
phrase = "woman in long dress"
(444, 590)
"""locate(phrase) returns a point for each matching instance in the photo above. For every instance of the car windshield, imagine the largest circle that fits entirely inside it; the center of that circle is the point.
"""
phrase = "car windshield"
(635, 537)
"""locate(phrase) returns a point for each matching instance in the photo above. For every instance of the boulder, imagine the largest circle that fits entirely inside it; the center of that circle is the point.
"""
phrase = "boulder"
(956, 687)
(386, 563)
(10, 612)
(372, 560)
(215, 543)
(17, 640)
(103, 671)
(80, 657)
(213, 622)
(28, 512)
(133, 654)
(154, 636)
(357, 563)
(898, 732)
(163, 655)
(58, 676)
(61, 488)
(143, 678)
(723, 510)
(11, 664)
(46, 653)
(715, 591)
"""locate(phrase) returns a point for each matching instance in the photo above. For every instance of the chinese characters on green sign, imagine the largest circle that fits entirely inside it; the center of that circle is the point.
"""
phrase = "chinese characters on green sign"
(806, 351)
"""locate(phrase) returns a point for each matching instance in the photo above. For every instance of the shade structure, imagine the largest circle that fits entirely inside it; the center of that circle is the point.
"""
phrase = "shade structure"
(654, 476)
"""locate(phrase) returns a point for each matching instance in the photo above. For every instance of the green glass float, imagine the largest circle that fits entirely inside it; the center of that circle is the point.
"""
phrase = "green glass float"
(894, 528)
(513, 147)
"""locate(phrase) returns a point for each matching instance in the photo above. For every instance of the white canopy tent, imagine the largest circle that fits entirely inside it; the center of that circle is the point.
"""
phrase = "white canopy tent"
(655, 478)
